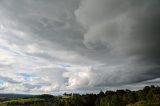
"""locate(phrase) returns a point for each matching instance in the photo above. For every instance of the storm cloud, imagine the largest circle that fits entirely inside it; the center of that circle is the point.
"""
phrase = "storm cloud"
(126, 28)
(78, 45)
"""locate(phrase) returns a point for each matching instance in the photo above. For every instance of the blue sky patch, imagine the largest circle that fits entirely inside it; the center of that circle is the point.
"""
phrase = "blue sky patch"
(25, 76)
(65, 65)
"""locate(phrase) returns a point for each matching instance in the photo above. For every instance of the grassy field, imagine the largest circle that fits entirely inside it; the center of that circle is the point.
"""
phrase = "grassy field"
(21, 101)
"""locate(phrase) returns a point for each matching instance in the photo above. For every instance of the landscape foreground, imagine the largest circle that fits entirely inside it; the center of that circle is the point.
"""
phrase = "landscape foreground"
(148, 96)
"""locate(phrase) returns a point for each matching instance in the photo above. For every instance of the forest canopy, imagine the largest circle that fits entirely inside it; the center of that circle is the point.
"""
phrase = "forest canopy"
(148, 96)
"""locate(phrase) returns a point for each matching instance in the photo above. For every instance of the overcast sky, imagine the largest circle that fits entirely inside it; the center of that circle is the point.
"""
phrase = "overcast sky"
(56, 46)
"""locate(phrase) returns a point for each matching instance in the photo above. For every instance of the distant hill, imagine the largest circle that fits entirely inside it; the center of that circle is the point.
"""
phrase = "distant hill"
(148, 96)
(12, 95)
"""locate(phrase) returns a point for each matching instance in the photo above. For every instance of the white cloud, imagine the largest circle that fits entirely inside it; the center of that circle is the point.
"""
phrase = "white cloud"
(73, 45)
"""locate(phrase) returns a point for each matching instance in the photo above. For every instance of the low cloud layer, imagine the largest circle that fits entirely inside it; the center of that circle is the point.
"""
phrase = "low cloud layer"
(125, 28)
(78, 45)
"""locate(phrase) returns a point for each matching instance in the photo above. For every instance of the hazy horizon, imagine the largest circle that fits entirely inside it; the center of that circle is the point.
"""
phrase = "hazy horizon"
(57, 46)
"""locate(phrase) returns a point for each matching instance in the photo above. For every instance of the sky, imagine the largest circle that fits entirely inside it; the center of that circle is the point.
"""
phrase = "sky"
(57, 46)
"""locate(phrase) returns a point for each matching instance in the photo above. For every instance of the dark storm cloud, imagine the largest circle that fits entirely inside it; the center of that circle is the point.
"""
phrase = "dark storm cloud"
(106, 43)
(49, 20)
(126, 28)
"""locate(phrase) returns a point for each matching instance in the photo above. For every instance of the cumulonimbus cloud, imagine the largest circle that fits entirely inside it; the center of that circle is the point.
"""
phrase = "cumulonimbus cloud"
(62, 45)
(127, 28)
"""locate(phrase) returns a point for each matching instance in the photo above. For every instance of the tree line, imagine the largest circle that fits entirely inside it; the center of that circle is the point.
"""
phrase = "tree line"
(148, 96)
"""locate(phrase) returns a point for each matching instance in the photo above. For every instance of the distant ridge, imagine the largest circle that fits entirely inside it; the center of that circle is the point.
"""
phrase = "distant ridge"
(14, 95)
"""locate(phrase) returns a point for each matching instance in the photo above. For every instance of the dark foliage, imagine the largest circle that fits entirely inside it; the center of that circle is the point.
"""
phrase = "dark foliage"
(149, 96)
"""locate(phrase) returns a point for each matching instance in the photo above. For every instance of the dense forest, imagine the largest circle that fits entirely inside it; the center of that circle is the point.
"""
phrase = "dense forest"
(148, 96)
